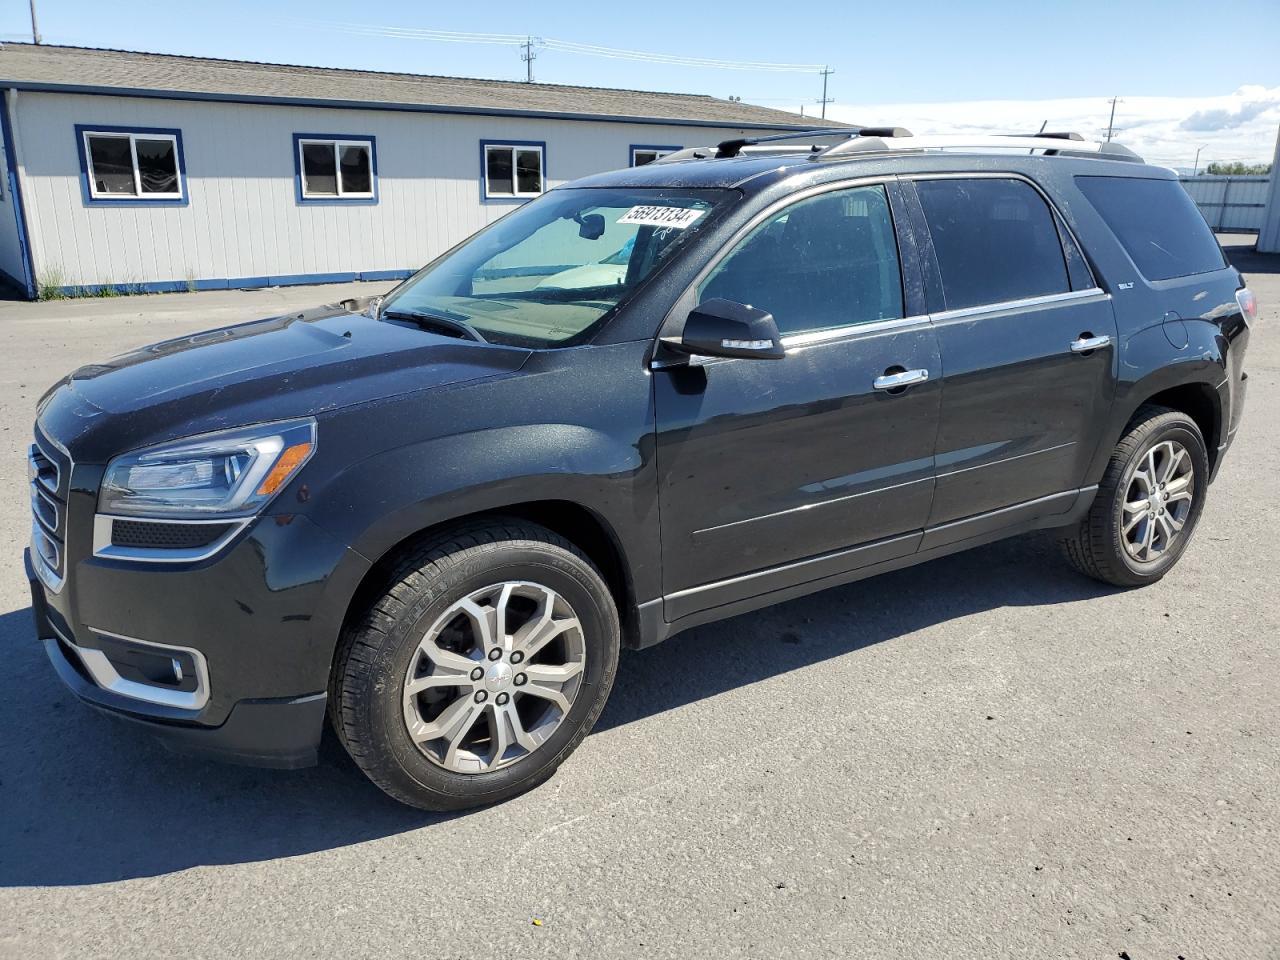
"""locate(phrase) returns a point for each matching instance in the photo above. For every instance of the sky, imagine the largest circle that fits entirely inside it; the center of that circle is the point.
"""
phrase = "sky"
(1186, 78)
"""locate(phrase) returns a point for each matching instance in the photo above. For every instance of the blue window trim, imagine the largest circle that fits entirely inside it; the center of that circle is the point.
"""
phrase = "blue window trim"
(334, 201)
(129, 201)
(485, 196)
(631, 155)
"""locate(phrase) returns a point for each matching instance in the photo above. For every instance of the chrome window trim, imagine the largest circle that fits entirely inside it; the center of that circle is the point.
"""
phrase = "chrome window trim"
(796, 340)
(852, 329)
(103, 547)
(106, 676)
(1026, 303)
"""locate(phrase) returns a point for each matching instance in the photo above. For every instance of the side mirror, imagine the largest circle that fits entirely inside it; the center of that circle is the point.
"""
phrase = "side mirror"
(725, 328)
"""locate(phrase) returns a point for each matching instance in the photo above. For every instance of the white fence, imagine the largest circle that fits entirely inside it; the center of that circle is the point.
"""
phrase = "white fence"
(1230, 204)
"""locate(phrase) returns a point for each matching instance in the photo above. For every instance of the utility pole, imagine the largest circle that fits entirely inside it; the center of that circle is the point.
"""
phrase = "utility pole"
(1112, 122)
(1196, 169)
(528, 57)
(826, 72)
(35, 30)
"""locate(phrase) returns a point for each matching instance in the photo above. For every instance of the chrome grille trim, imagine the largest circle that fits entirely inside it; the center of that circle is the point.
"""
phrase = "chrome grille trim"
(39, 466)
(48, 511)
(103, 528)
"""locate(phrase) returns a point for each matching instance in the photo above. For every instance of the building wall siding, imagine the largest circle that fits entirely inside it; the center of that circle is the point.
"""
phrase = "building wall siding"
(243, 219)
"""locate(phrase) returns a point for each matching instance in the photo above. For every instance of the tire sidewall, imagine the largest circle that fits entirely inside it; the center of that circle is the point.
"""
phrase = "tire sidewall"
(468, 571)
(1184, 431)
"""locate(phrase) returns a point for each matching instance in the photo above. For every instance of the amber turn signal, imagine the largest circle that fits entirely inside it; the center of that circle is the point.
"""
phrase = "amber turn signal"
(289, 461)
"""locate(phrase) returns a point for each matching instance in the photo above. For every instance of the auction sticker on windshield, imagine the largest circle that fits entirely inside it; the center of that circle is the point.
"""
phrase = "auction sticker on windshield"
(653, 216)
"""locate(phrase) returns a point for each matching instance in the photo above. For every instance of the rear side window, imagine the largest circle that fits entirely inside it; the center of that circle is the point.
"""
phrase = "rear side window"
(1158, 225)
(995, 240)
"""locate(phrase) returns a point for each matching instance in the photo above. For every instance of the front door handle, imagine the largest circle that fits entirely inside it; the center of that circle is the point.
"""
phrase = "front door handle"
(1087, 344)
(899, 381)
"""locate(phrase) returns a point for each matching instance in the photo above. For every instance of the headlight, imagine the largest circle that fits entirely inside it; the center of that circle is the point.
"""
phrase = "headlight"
(231, 473)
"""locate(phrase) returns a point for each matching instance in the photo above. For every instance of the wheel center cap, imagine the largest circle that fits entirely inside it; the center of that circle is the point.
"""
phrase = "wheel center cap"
(497, 675)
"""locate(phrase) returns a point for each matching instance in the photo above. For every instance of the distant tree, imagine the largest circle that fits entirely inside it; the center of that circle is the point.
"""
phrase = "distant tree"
(1237, 169)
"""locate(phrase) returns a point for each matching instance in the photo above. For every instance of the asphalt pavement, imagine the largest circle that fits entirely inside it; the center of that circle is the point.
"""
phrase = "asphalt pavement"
(984, 756)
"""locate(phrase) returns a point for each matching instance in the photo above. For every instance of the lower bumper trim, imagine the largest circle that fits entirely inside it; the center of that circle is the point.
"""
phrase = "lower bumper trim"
(281, 733)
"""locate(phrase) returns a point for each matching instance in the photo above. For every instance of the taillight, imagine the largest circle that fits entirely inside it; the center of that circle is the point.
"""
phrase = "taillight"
(1248, 305)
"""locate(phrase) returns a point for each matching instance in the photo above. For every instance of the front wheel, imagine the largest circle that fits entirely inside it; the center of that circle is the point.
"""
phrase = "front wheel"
(1148, 503)
(480, 669)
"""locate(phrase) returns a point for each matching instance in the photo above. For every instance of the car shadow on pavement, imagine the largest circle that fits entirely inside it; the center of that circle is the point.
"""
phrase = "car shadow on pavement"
(87, 800)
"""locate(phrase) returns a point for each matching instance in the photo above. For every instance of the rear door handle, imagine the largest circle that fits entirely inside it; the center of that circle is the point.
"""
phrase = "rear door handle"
(896, 381)
(1087, 344)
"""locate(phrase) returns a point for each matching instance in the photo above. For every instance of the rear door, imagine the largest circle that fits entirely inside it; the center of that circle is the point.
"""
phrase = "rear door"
(774, 473)
(1028, 354)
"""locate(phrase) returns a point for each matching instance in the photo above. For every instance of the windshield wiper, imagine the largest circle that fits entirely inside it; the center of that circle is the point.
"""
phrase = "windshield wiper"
(429, 321)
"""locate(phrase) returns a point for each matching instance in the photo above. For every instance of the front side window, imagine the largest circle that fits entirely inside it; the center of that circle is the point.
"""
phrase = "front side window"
(132, 164)
(643, 155)
(995, 240)
(550, 272)
(828, 261)
(513, 169)
(335, 168)
(1157, 223)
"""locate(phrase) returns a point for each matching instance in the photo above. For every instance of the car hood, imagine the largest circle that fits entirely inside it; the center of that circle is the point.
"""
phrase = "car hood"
(302, 364)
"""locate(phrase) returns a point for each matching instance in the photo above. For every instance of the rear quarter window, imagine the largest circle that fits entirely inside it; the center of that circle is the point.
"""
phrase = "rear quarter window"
(1158, 225)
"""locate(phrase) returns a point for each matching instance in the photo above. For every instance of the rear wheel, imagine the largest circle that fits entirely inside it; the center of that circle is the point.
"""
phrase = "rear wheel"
(1148, 503)
(480, 669)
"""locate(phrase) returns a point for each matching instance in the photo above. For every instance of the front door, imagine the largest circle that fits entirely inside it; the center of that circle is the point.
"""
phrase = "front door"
(1028, 356)
(774, 473)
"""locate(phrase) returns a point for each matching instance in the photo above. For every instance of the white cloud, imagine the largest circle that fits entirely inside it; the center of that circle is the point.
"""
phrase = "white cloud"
(1165, 130)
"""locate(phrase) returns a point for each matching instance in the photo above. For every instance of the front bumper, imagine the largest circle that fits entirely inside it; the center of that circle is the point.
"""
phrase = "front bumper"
(259, 622)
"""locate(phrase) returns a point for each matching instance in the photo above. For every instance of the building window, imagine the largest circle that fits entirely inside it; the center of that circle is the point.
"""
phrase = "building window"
(138, 165)
(335, 169)
(512, 169)
(642, 154)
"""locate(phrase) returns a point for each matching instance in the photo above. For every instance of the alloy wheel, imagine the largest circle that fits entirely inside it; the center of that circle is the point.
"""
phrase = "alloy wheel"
(1158, 501)
(494, 677)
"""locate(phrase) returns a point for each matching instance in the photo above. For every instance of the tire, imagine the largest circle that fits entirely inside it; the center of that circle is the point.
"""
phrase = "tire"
(448, 588)
(1110, 542)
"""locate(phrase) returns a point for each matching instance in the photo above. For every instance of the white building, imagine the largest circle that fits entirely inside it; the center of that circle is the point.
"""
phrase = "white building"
(151, 172)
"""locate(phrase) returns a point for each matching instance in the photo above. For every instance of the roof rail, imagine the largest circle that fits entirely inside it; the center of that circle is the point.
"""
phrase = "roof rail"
(1057, 144)
(1052, 135)
(855, 140)
(731, 148)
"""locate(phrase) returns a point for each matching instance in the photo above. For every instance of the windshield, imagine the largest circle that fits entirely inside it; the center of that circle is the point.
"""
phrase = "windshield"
(550, 271)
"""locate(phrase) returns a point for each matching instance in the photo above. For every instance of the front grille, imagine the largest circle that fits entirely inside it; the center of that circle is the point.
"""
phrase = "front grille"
(48, 514)
(165, 536)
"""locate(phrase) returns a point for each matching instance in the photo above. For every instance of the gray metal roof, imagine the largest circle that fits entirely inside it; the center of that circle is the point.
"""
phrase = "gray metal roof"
(27, 66)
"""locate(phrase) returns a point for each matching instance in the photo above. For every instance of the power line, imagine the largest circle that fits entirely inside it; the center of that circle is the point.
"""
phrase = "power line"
(564, 46)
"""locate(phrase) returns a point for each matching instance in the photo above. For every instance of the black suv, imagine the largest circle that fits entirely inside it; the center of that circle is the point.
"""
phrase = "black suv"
(647, 400)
